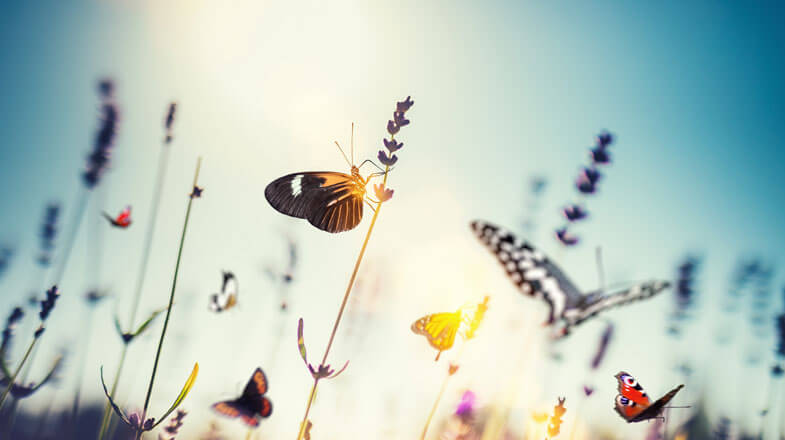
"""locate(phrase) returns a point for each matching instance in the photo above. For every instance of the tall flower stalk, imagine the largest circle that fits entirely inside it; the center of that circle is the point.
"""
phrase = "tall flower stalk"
(160, 177)
(382, 194)
(139, 422)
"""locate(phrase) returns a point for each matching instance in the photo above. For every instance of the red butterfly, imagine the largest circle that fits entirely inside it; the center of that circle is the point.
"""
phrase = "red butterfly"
(123, 220)
(251, 405)
(634, 405)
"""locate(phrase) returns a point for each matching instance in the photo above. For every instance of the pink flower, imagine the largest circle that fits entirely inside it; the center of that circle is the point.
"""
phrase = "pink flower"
(382, 193)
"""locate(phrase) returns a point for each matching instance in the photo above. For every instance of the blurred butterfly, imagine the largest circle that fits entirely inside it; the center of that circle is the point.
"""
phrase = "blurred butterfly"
(252, 405)
(286, 276)
(227, 298)
(123, 220)
(329, 200)
(441, 328)
(634, 405)
(535, 275)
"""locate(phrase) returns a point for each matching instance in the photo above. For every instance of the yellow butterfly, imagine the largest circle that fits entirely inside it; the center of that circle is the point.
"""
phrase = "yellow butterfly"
(441, 328)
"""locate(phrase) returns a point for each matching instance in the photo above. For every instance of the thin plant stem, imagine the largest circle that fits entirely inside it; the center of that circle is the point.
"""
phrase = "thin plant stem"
(12, 380)
(171, 300)
(163, 161)
(435, 405)
(76, 221)
(343, 307)
(80, 374)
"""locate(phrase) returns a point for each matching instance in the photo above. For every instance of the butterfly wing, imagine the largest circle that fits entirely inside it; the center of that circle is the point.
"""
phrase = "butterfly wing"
(655, 409)
(632, 400)
(597, 302)
(254, 393)
(529, 269)
(440, 329)
(237, 408)
(217, 303)
(331, 201)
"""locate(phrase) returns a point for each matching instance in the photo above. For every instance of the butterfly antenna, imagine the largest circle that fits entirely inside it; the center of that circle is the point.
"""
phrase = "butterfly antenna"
(352, 144)
(600, 271)
(342, 153)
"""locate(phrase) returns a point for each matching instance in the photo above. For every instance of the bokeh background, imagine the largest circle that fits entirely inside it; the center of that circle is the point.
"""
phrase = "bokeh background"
(503, 91)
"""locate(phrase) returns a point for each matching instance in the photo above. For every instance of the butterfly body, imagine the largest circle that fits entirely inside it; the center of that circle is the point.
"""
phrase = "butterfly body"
(329, 200)
(123, 220)
(535, 275)
(252, 405)
(440, 329)
(633, 404)
(227, 297)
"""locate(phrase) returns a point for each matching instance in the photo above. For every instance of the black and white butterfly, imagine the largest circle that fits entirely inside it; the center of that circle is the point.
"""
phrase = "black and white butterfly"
(227, 297)
(535, 275)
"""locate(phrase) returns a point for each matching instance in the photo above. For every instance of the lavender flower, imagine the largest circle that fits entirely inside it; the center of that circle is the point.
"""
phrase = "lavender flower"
(49, 229)
(602, 348)
(5, 258)
(587, 390)
(322, 371)
(465, 407)
(604, 139)
(405, 105)
(169, 122)
(574, 213)
(685, 286)
(600, 156)
(387, 160)
(781, 335)
(566, 238)
(392, 145)
(98, 160)
(587, 180)
(10, 324)
(175, 423)
(383, 194)
(48, 303)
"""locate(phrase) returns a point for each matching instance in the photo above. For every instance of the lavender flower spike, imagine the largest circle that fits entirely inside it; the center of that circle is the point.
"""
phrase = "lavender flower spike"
(405, 105)
(389, 161)
(392, 145)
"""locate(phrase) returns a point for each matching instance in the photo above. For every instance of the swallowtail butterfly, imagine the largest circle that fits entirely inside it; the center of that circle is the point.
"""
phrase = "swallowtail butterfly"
(634, 405)
(535, 275)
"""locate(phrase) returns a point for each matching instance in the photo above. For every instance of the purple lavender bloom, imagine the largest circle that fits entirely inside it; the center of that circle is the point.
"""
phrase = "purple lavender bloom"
(5, 258)
(575, 212)
(169, 122)
(587, 390)
(604, 139)
(605, 340)
(392, 128)
(10, 324)
(392, 145)
(400, 119)
(600, 156)
(388, 161)
(777, 370)
(98, 160)
(405, 105)
(566, 238)
(585, 186)
(466, 405)
(781, 335)
(48, 303)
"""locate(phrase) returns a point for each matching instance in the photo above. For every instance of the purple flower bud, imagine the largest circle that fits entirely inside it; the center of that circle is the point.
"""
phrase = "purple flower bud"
(392, 145)
(404, 106)
(600, 156)
(389, 161)
(466, 405)
(382, 194)
(133, 418)
(148, 424)
(400, 119)
(588, 390)
(392, 128)
(48, 303)
(604, 139)
(566, 238)
(574, 213)
(39, 331)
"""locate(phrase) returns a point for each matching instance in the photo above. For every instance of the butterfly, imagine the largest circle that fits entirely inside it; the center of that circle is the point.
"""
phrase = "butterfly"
(227, 298)
(123, 220)
(252, 405)
(535, 275)
(634, 405)
(441, 328)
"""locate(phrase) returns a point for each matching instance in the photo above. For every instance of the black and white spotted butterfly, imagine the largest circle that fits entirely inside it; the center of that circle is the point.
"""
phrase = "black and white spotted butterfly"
(227, 297)
(535, 275)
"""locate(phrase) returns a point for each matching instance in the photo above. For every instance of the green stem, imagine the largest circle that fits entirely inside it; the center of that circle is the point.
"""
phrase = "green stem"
(81, 204)
(108, 408)
(171, 302)
(435, 405)
(12, 380)
(163, 161)
(343, 306)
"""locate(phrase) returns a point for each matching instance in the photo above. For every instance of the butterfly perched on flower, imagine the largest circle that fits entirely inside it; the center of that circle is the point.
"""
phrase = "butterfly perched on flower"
(634, 405)
(227, 297)
(252, 405)
(123, 220)
(441, 328)
(535, 275)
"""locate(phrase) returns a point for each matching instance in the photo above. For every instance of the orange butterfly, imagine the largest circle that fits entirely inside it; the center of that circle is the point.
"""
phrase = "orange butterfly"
(634, 405)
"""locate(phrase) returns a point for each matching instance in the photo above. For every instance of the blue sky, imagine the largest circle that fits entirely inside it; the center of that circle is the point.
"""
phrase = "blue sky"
(503, 91)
